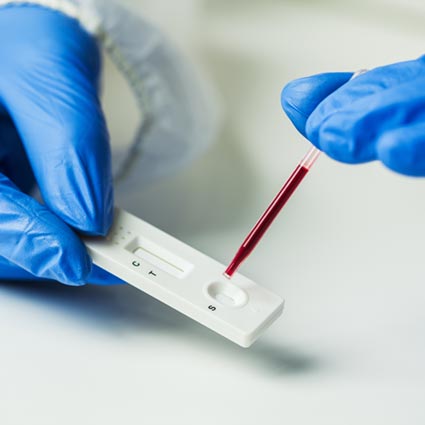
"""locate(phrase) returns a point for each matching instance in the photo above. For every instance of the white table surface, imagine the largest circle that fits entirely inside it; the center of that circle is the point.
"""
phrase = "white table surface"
(347, 254)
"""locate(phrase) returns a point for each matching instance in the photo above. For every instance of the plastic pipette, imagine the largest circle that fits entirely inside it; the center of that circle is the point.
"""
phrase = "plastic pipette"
(257, 232)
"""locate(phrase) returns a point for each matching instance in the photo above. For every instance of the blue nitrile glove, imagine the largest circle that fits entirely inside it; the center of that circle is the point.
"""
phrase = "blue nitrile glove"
(53, 132)
(380, 115)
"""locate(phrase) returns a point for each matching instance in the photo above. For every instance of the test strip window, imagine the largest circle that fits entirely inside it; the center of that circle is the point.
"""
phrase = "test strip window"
(159, 257)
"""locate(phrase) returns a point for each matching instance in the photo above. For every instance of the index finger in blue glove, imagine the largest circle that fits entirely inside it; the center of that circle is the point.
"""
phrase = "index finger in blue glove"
(50, 91)
(301, 97)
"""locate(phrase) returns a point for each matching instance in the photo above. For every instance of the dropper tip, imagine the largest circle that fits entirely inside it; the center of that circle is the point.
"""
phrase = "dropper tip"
(231, 269)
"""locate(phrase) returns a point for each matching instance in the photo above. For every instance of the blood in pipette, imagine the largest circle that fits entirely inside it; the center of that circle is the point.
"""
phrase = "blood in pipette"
(266, 219)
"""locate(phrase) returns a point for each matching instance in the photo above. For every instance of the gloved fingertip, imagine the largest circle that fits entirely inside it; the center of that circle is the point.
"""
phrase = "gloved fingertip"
(97, 223)
(63, 256)
(301, 97)
(75, 272)
(292, 100)
(334, 138)
(333, 144)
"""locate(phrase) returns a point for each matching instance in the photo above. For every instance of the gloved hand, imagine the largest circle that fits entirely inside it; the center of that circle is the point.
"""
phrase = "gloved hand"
(380, 115)
(53, 132)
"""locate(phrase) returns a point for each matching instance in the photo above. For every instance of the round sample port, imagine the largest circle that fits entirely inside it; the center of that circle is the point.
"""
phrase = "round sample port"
(227, 294)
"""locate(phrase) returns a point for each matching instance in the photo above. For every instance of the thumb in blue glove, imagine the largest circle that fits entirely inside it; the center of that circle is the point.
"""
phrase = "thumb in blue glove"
(52, 131)
(380, 115)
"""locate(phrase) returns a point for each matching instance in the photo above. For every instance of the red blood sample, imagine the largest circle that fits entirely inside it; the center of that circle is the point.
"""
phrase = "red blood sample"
(266, 219)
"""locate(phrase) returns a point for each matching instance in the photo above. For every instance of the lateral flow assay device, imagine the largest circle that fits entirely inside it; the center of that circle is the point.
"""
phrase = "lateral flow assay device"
(185, 279)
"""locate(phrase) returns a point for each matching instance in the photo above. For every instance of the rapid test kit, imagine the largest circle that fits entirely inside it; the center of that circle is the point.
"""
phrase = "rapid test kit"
(185, 279)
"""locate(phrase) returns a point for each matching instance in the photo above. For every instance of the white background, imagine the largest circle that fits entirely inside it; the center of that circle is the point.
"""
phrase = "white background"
(347, 254)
